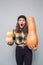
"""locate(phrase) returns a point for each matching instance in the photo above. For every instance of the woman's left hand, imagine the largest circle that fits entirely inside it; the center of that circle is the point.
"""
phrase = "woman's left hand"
(33, 47)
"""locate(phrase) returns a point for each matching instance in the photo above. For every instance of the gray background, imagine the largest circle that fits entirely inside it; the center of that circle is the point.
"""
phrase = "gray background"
(9, 11)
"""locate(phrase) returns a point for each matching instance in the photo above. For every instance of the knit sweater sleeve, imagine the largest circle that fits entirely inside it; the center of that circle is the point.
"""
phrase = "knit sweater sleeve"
(13, 34)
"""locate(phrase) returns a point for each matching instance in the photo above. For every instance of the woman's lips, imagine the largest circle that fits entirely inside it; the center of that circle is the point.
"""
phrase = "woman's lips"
(21, 24)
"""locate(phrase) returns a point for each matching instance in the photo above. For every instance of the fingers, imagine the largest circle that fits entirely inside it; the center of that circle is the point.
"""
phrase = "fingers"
(33, 47)
(9, 40)
(9, 43)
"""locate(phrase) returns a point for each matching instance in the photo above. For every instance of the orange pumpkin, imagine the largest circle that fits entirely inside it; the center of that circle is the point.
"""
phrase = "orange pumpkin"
(9, 39)
(32, 38)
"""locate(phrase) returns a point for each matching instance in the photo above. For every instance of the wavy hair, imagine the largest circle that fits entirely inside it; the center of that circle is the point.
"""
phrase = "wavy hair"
(25, 28)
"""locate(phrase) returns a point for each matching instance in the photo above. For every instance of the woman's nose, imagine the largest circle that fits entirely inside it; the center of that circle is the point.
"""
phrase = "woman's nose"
(21, 21)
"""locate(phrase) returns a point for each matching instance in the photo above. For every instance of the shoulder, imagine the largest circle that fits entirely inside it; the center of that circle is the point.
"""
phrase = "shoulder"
(14, 31)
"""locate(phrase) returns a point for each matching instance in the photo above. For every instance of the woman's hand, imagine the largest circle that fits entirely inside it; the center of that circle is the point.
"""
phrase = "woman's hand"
(33, 47)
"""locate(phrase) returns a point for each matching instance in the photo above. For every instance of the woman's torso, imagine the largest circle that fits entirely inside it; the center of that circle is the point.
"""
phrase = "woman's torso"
(20, 38)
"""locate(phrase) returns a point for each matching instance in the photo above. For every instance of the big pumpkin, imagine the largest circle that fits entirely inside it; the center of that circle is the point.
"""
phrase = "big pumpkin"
(32, 38)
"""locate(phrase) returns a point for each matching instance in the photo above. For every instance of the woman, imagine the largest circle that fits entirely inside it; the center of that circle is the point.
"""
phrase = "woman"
(23, 53)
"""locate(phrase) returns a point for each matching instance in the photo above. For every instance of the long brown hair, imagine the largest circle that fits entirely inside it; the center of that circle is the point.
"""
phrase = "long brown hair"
(25, 28)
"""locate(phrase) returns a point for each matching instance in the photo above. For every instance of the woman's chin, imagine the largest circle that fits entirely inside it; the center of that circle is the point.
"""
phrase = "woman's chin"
(21, 27)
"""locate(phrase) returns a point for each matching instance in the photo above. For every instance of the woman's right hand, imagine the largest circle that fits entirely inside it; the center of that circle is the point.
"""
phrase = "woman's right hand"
(9, 38)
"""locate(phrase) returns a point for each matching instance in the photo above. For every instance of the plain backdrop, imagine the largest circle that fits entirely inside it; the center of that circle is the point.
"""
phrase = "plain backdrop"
(9, 11)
